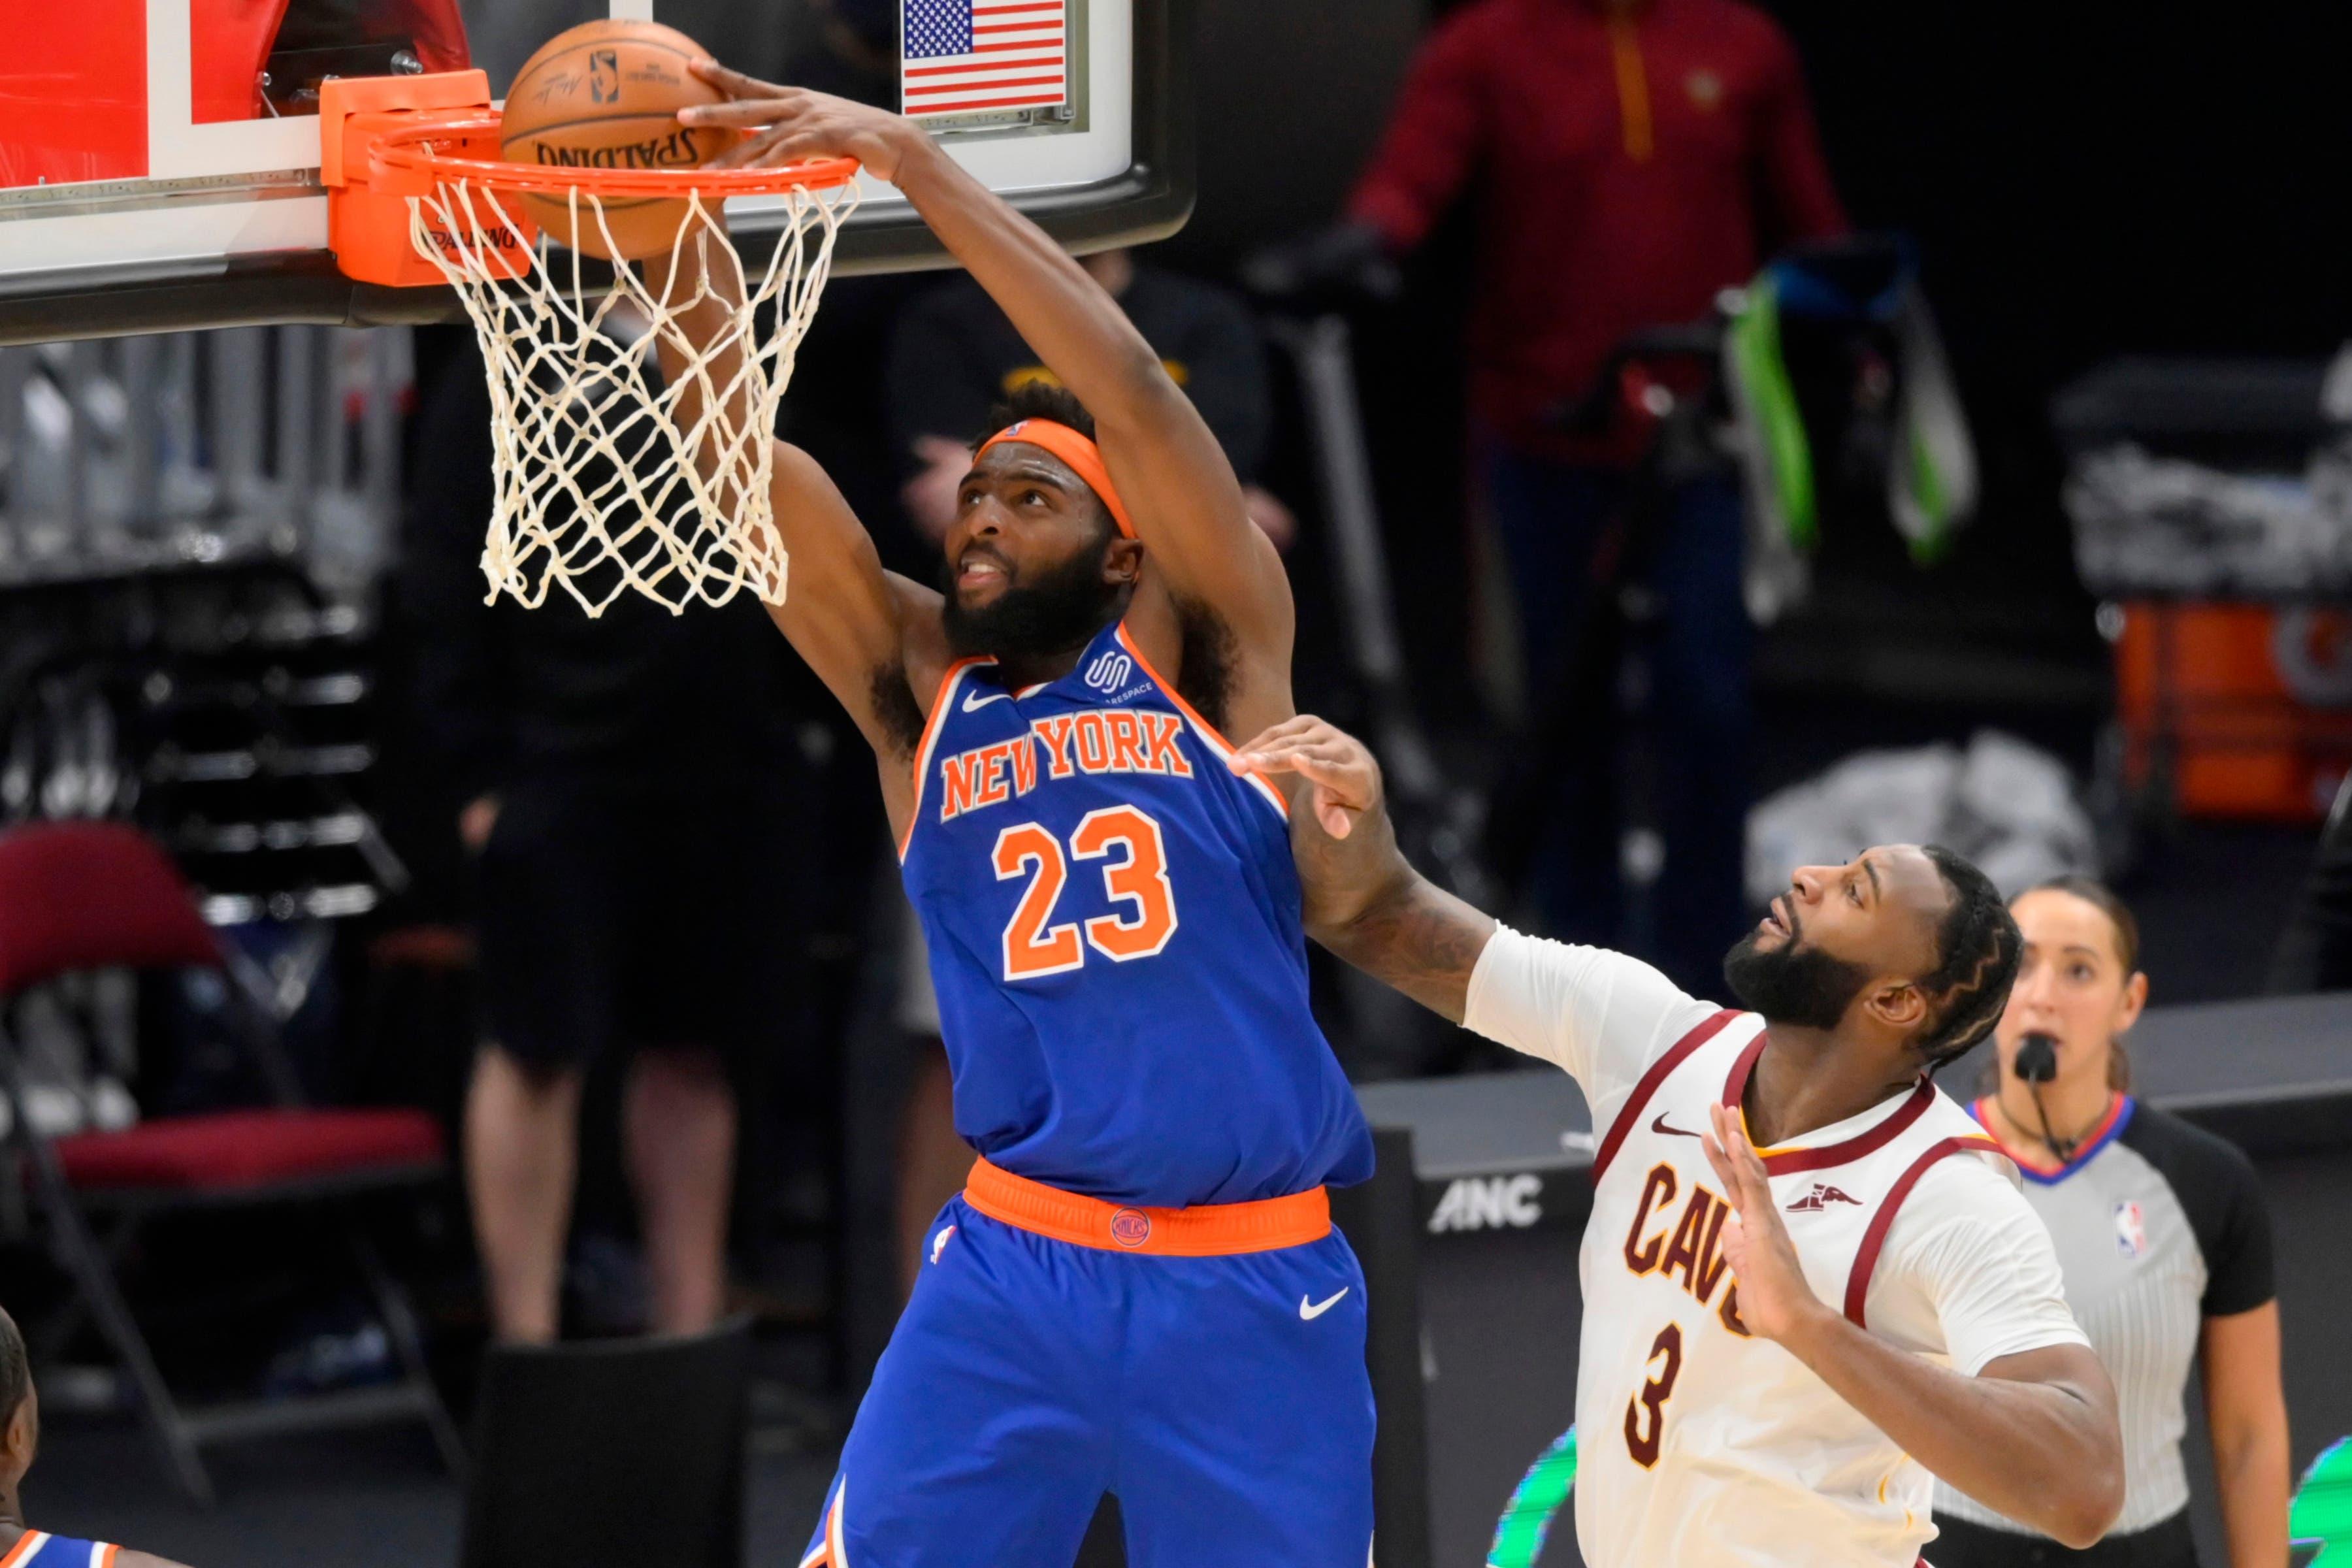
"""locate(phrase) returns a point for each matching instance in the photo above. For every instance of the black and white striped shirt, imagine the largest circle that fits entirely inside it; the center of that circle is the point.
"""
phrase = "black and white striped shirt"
(2158, 1226)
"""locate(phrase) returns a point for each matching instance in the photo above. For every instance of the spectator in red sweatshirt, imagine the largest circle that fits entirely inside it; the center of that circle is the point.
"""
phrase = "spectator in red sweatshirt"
(1632, 158)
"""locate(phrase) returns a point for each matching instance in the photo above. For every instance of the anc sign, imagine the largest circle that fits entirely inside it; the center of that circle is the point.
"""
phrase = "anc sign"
(2320, 1517)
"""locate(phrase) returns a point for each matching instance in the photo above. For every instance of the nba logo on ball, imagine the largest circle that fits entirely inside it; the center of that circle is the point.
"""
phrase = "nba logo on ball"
(2131, 1234)
(1129, 1228)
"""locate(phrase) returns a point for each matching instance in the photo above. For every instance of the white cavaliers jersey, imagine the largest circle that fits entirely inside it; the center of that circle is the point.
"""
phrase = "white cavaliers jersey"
(1700, 1445)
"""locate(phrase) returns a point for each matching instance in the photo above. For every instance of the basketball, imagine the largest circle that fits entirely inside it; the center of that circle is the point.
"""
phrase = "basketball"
(605, 95)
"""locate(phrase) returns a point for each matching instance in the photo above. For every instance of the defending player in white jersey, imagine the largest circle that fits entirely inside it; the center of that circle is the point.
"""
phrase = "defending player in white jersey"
(1809, 1279)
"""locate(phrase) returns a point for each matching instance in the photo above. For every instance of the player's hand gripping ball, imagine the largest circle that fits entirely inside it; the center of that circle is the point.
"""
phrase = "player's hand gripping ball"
(785, 125)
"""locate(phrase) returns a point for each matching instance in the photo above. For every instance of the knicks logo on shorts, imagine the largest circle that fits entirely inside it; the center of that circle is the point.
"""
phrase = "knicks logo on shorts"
(1131, 1227)
(1109, 672)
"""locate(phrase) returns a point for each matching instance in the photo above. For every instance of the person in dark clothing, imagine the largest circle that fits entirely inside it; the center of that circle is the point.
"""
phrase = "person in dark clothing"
(954, 357)
(627, 786)
(2164, 1241)
(1632, 158)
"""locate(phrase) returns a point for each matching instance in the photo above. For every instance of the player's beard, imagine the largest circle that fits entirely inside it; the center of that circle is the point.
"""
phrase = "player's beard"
(1802, 986)
(1059, 609)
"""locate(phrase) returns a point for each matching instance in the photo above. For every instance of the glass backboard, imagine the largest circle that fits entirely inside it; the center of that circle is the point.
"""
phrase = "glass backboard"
(159, 159)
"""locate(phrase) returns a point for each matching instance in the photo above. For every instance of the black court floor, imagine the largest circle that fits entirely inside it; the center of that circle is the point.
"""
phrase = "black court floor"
(370, 1499)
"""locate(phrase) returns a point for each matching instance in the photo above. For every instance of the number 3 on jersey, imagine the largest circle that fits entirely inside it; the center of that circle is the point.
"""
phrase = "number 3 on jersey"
(1644, 1436)
(1138, 879)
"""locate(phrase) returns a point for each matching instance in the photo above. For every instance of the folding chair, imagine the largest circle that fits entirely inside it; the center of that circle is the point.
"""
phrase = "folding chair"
(84, 896)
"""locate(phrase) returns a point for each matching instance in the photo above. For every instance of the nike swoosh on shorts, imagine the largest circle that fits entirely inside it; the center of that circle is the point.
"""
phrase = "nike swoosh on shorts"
(1309, 1313)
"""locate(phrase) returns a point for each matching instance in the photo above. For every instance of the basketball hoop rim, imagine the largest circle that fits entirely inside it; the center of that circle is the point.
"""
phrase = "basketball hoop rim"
(410, 150)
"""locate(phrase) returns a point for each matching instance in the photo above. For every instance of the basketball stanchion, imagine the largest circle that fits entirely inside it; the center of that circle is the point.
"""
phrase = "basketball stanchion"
(611, 476)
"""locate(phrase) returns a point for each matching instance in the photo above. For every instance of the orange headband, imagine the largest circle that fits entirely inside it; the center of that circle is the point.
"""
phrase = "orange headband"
(1084, 457)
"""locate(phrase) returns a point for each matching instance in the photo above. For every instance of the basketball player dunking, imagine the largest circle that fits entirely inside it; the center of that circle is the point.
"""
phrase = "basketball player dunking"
(1809, 1279)
(1139, 1291)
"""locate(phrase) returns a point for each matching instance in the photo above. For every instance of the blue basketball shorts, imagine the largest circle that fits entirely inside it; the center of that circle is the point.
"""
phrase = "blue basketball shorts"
(1223, 1400)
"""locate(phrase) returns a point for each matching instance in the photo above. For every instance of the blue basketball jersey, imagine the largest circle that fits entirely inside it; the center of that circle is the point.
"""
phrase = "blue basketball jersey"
(35, 1549)
(1114, 927)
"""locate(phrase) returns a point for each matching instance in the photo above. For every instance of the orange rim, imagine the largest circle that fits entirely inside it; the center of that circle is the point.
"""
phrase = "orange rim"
(411, 150)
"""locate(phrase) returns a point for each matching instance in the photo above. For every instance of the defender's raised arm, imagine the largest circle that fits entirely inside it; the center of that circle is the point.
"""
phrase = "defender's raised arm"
(1364, 901)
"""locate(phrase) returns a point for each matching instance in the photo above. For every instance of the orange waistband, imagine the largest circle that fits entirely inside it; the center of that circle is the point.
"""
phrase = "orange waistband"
(1204, 1230)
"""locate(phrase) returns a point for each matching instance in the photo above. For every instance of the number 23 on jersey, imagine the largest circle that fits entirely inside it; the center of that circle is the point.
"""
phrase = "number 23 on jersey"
(1134, 874)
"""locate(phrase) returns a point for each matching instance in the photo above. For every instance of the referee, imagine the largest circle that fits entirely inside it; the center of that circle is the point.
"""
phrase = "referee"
(2164, 1242)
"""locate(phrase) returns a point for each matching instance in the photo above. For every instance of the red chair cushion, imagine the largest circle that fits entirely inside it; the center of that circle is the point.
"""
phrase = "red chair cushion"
(240, 1149)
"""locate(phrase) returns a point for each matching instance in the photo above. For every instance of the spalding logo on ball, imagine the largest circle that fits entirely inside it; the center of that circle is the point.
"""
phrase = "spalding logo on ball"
(605, 95)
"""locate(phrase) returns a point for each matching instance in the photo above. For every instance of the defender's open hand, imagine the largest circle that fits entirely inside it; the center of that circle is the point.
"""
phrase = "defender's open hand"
(1344, 775)
(1774, 1299)
(792, 125)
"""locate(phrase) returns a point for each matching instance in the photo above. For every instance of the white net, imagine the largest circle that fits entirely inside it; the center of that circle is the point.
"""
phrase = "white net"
(610, 476)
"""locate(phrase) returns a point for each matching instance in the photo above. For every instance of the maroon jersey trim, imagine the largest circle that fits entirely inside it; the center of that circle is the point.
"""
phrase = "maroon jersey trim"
(1790, 1161)
(1857, 1283)
(1647, 1084)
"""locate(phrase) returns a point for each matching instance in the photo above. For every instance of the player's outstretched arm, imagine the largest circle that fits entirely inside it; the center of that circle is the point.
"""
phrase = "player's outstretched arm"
(1180, 489)
(1363, 900)
(2032, 1436)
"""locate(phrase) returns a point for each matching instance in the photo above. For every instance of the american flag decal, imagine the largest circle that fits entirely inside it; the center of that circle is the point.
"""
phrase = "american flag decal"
(963, 56)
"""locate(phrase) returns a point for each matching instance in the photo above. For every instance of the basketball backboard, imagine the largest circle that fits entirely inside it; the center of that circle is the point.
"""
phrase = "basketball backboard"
(159, 159)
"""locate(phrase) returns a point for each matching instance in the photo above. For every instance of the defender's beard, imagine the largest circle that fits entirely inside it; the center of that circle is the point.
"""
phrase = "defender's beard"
(1790, 985)
(1063, 606)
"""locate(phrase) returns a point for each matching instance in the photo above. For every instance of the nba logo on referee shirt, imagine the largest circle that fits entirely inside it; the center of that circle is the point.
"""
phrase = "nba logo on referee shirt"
(1108, 672)
(2131, 1234)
